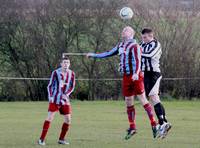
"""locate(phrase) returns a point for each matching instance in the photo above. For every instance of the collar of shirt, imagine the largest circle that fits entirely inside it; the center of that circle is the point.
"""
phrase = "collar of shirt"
(131, 40)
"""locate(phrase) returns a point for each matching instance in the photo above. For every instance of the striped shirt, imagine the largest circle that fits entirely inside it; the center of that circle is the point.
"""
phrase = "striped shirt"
(151, 53)
(60, 85)
(130, 56)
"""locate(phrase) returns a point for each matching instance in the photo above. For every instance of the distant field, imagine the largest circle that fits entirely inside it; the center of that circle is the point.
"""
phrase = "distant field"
(98, 124)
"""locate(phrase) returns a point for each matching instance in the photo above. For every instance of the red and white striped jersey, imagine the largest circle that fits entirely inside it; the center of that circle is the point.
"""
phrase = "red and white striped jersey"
(59, 85)
(130, 56)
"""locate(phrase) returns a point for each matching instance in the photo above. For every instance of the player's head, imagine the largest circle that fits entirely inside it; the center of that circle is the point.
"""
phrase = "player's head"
(147, 35)
(65, 63)
(127, 33)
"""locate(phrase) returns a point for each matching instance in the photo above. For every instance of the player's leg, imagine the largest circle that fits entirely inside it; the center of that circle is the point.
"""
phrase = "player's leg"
(46, 126)
(130, 111)
(127, 90)
(160, 112)
(65, 110)
(131, 116)
(139, 90)
(158, 107)
(152, 85)
(148, 108)
(51, 113)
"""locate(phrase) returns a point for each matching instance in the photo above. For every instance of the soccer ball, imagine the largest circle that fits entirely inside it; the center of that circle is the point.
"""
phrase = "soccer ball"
(126, 13)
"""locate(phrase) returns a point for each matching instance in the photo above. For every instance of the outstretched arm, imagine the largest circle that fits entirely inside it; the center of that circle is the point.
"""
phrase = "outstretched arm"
(110, 53)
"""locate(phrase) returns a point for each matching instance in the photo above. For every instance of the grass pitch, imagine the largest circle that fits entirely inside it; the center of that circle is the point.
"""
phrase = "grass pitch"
(98, 124)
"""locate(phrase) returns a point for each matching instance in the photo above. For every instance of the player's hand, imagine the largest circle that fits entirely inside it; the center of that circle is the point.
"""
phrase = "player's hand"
(65, 97)
(51, 99)
(135, 77)
(89, 55)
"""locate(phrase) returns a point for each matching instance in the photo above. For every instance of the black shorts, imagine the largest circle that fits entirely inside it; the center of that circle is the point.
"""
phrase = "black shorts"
(152, 82)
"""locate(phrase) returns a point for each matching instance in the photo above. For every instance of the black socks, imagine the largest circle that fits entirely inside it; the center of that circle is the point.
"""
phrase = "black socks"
(160, 113)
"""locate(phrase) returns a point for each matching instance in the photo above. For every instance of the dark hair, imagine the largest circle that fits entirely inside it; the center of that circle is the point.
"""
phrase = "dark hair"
(64, 57)
(147, 30)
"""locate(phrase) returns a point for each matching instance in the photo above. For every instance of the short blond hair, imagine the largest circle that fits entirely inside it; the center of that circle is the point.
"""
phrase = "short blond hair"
(128, 32)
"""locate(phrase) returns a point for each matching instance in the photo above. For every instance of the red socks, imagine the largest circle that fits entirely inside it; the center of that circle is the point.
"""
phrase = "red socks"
(131, 116)
(65, 128)
(45, 130)
(149, 111)
(46, 126)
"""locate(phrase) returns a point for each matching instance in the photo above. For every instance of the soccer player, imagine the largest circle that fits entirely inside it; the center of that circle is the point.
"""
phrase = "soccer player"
(151, 53)
(61, 85)
(130, 60)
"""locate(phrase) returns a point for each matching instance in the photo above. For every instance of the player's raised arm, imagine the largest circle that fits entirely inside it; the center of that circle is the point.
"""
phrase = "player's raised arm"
(106, 54)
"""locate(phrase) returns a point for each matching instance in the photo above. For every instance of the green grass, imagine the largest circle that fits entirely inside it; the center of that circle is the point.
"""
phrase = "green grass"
(98, 124)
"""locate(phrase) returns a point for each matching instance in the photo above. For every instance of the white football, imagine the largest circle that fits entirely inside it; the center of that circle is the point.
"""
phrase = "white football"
(126, 13)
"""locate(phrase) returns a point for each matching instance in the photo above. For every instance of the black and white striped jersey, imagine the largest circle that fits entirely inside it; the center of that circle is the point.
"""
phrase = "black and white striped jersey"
(151, 53)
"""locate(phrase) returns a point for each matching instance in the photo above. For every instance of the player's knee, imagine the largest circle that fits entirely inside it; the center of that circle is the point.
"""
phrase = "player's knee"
(50, 117)
(143, 99)
(67, 119)
(155, 99)
(129, 101)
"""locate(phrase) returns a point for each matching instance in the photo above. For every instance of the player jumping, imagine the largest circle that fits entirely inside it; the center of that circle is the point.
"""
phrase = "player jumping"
(133, 85)
(151, 53)
(61, 85)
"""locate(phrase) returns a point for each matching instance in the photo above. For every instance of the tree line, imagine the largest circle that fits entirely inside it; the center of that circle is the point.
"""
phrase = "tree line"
(34, 34)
